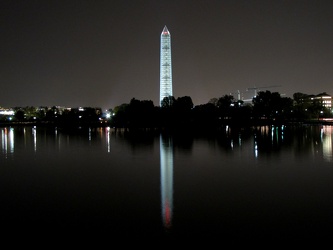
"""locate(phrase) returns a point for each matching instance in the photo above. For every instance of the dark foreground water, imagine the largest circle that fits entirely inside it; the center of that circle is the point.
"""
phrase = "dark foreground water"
(264, 184)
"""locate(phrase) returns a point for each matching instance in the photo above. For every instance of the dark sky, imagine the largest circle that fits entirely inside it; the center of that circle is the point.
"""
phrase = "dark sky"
(104, 53)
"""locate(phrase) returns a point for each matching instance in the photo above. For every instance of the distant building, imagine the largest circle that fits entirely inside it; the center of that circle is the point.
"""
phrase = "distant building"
(324, 99)
(165, 65)
(6, 112)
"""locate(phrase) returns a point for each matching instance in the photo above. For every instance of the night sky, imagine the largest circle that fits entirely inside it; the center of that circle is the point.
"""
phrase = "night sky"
(104, 53)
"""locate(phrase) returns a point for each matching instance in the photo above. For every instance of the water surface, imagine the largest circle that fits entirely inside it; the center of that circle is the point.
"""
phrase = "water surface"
(271, 183)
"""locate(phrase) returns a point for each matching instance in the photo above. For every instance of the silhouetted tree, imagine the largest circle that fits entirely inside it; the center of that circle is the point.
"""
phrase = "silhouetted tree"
(285, 110)
(141, 113)
(240, 113)
(300, 98)
(121, 116)
(19, 115)
(224, 106)
(314, 109)
(166, 112)
(205, 116)
(89, 115)
(168, 102)
(213, 101)
(50, 115)
(271, 106)
(41, 113)
(184, 103)
(182, 111)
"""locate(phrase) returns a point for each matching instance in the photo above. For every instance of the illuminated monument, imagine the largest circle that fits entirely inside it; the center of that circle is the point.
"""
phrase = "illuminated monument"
(165, 65)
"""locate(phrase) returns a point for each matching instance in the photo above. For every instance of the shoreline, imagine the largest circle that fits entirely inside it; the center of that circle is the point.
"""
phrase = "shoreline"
(105, 124)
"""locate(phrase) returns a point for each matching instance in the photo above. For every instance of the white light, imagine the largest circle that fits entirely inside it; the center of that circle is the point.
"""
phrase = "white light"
(7, 112)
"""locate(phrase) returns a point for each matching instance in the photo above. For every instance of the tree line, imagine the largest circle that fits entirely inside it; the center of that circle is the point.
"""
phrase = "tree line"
(175, 113)
(55, 116)
(266, 108)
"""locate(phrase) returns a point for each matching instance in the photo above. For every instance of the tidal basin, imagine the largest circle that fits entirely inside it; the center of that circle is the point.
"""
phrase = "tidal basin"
(245, 183)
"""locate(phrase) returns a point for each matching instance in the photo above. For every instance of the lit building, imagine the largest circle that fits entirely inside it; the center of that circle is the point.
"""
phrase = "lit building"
(325, 100)
(165, 65)
(6, 112)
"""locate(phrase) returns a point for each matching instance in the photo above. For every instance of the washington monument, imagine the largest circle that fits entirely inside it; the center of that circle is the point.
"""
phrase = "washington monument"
(165, 65)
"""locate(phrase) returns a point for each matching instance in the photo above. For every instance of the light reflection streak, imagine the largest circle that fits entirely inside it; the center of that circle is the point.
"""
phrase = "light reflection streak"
(326, 138)
(108, 139)
(57, 138)
(255, 147)
(166, 166)
(4, 141)
(34, 134)
(89, 134)
(11, 140)
(7, 141)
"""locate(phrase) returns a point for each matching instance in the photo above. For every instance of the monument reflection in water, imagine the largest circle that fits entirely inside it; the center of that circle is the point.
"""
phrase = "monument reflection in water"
(166, 161)
(264, 182)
